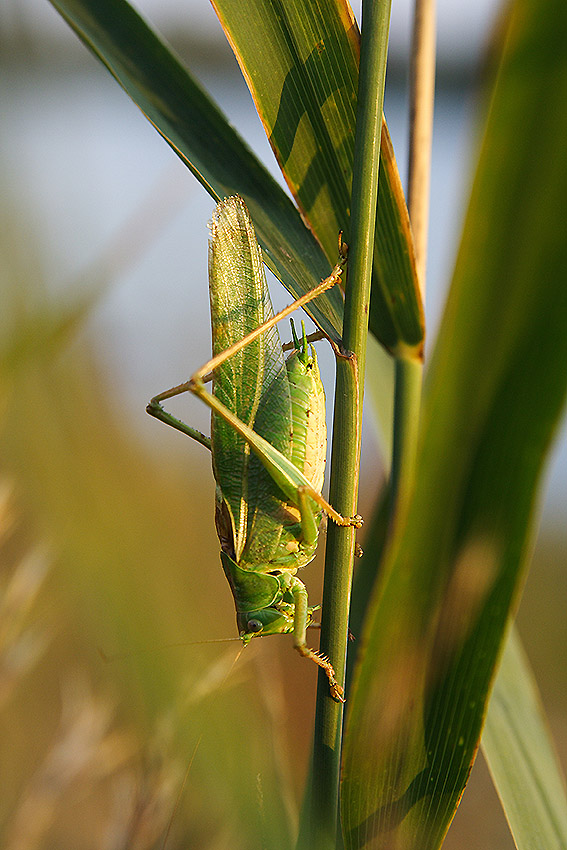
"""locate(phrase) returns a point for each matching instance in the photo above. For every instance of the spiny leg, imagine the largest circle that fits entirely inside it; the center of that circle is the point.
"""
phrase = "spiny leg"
(300, 643)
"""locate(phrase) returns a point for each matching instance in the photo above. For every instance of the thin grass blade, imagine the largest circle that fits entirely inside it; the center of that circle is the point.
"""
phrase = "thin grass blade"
(521, 758)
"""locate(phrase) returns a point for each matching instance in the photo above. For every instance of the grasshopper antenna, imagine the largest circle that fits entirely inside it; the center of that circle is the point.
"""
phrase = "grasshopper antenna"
(194, 753)
(146, 650)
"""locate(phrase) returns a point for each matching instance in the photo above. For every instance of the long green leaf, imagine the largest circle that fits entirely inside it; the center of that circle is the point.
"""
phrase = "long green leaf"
(495, 392)
(202, 137)
(307, 102)
(520, 756)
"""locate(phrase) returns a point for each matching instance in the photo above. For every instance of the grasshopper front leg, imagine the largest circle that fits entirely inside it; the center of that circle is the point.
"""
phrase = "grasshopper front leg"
(300, 643)
(154, 408)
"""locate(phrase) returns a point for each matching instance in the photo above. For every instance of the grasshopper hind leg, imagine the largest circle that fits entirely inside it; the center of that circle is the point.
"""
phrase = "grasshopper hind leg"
(300, 642)
(337, 692)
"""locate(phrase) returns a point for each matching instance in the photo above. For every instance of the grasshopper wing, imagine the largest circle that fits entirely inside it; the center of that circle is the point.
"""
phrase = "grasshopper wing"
(252, 383)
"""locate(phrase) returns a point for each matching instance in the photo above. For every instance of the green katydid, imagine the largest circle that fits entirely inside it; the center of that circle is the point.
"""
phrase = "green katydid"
(268, 438)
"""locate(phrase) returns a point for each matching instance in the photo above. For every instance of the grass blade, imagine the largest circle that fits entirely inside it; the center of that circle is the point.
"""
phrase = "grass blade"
(519, 751)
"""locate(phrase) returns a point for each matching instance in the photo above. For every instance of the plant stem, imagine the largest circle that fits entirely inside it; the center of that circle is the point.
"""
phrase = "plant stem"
(347, 422)
(409, 372)
(422, 92)
(407, 397)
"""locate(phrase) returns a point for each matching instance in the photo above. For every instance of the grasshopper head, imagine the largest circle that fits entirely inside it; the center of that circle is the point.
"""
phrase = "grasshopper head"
(267, 621)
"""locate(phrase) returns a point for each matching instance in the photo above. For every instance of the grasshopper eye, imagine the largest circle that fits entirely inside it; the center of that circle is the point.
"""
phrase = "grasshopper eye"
(254, 626)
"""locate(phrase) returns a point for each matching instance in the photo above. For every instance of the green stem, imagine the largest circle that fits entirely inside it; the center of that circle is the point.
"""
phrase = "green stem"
(407, 397)
(323, 811)
(422, 92)
(409, 372)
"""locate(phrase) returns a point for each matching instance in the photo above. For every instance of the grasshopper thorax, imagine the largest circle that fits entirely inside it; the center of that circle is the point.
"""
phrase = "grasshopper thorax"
(264, 600)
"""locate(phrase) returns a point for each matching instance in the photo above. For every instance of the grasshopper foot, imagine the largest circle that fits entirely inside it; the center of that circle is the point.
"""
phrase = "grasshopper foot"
(337, 692)
(356, 521)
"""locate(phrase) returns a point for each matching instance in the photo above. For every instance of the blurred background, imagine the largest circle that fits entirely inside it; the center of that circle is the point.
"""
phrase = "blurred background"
(108, 553)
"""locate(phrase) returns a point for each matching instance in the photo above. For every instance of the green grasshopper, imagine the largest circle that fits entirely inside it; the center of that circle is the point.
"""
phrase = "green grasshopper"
(268, 438)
